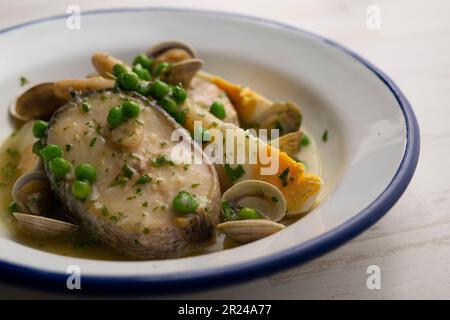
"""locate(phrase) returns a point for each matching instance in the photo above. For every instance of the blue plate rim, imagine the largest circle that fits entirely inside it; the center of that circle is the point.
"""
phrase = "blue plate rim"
(215, 277)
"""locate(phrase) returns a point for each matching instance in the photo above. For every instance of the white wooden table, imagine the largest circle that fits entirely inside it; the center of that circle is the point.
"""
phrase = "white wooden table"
(411, 244)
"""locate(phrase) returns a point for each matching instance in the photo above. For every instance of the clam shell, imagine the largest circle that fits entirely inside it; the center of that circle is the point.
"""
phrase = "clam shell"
(183, 71)
(42, 100)
(32, 192)
(289, 143)
(249, 230)
(288, 115)
(165, 46)
(43, 227)
(259, 195)
(38, 102)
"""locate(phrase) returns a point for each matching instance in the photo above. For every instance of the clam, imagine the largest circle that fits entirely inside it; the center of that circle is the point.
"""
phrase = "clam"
(43, 227)
(182, 72)
(42, 100)
(171, 51)
(245, 231)
(182, 59)
(38, 102)
(261, 196)
(289, 143)
(286, 117)
(33, 195)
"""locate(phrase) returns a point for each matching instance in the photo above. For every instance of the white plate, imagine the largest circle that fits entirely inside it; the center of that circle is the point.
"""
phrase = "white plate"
(368, 161)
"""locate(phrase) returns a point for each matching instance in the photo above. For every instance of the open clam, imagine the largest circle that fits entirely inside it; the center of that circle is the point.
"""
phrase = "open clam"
(171, 51)
(43, 227)
(259, 195)
(263, 199)
(32, 193)
(34, 197)
(289, 143)
(38, 102)
(182, 72)
(42, 100)
(183, 64)
(285, 117)
(249, 230)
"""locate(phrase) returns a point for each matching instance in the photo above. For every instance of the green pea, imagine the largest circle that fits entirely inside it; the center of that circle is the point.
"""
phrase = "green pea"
(159, 89)
(160, 68)
(130, 109)
(305, 140)
(85, 171)
(179, 94)
(218, 110)
(128, 80)
(51, 152)
(248, 213)
(115, 117)
(13, 207)
(37, 147)
(143, 60)
(169, 105)
(142, 73)
(39, 128)
(118, 69)
(202, 133)
(60, 167)
(180, 116)
(185, 202)
(81, 189)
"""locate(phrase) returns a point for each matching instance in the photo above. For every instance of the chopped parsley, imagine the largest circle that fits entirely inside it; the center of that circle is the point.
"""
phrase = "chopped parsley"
(305, 140)
(229, 212)
(127, 171)
(195, 185)
(85, 106)
(23, 81)
(116, 218)
(283, 177)
(162, 160)
(325, 136)
(93, 142)
(68, 147)
(119, 181)
(274, 199)
(234, 173)
(144, 179)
